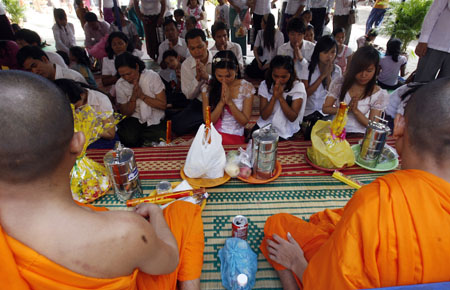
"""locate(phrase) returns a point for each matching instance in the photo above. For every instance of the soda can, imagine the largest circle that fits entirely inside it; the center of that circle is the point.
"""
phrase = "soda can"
(239, 227)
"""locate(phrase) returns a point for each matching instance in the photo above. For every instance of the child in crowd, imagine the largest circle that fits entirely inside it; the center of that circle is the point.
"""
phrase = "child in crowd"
(127, 27)
(344, 53)
(358, 89)
(117, 44)
(223, 13)
(282, 98)
(80, 96)
(230, 98)
(306, 17)
(320, 73)
(190, 23)
(63, 31)
(309, 33)
(81, 11)
(195, 9)
(267, 42)
(179, 19)
(367, 39)
(175, 97)
(81, 63)
(391, 65)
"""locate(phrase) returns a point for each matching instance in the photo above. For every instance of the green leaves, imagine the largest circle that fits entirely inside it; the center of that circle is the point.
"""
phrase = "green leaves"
(14, 9)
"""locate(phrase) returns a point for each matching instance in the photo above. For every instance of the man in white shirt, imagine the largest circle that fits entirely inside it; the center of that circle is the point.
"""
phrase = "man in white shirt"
(293, 9)
(220, 34)
(299, 49)
(151, 13)
(434, 43)
(26, 37)
(195, 72)
(173, 41)
(320, 10)
(341, 16)
(34, 60)
(259, 9)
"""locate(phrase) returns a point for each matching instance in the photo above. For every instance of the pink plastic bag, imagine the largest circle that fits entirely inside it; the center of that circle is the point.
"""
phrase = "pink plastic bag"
(98, 50)
(247, 20)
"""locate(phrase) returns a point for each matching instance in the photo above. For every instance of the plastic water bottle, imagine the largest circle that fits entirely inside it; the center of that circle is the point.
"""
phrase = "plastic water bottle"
(242, 281)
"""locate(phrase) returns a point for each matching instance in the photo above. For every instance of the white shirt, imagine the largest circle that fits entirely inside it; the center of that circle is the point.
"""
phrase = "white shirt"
(99, 102)
(67, 73)
(343, 7)
(242, 4)
(316, 100)
(377, 101)
(390, 69)
(262, 7)
(293, 5)
(55, 58)
(321, 4)
(183, 4)
(109, 67)
(180, 48)
(395, 100)
(150, 7)
(222, 13)
(269, 54)
(151, 85)
(64, 37)
(306, 50)
(436, 26)
(284, 127)
(236, 49)
(189, 83)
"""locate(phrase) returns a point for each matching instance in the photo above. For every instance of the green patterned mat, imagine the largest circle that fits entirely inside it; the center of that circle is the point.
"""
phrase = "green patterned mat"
(300, 196)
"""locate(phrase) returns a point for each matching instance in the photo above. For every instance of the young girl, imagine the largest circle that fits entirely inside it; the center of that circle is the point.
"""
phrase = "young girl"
(358, 89)
(367, 39)
(230, 98)
(195, 9)
(81, 63)
(265, 48)
(80, 96)
(309, 33)
(282, 98)
(391, 65)
(344, 53)
(63, 32)
(116, 44)
(127, 27)
(320, 73)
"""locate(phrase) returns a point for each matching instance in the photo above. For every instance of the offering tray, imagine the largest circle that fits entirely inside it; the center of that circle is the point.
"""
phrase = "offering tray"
(204, 182)
(254, 180)
(380, 167)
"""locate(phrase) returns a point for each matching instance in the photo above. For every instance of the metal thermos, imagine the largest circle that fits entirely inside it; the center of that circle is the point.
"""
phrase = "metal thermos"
(373, 142)
(123, 172)
(264, 157)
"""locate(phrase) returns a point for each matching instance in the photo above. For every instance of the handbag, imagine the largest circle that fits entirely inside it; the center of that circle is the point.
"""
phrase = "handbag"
(352, 14)
(309, 122)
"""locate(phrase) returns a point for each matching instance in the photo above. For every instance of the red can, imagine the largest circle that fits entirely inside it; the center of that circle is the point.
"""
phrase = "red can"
(239, 227)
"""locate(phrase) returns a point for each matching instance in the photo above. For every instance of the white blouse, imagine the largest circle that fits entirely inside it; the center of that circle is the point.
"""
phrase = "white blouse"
(284, 127)
(268, 54)
(377, 101)
(64, 37)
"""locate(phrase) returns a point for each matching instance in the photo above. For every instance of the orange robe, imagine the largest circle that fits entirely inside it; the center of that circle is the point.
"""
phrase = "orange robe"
(23, 268)
(394, 231)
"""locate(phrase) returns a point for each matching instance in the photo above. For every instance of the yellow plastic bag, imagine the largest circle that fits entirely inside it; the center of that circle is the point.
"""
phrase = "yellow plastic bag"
(326, 151)
(89, 179)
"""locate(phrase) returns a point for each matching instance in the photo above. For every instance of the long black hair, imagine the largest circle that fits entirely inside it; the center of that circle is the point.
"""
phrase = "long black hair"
(73, 89)
(129, 60)
(81, 56)
(269, 31)
(394, 48)
(281, 61)
(223, 59)
(120, 35)
(59, 14)
(324, 44)
(361, 60)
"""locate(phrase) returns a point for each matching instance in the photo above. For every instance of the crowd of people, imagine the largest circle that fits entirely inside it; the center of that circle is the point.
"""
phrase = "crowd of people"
(300, 71)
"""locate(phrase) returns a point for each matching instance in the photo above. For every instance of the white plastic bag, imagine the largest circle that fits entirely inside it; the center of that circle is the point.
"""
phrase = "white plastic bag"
(205, 160)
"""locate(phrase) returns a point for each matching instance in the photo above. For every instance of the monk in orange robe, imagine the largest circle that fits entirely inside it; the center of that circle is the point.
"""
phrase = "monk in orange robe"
(394, 231)
(47, 241)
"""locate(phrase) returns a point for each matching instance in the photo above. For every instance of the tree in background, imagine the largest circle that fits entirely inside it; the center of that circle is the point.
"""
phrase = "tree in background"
(15, 10)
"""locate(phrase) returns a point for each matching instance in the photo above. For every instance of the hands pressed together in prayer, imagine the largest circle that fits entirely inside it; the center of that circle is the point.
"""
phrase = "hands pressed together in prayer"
(200, 70)
(287, 253)
(353, 105)
(278, 90)
(297, 53)
(225, 98)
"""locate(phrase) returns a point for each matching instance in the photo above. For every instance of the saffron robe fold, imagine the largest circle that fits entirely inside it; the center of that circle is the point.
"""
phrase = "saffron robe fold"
(394, 231)
(23, 268)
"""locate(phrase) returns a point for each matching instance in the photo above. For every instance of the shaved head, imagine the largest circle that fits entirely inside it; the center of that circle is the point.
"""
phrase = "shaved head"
(427, 117)
(36, 126)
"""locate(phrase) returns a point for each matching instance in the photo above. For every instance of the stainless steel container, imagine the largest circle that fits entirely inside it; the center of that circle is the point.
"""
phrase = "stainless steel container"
(265, 145)
(373, 142)
(123, 172)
